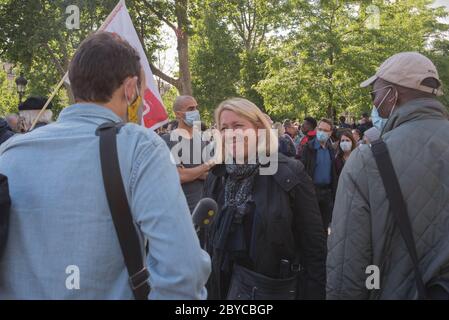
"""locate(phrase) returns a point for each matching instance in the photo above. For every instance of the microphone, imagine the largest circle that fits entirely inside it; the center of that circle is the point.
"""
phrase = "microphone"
(204, 213)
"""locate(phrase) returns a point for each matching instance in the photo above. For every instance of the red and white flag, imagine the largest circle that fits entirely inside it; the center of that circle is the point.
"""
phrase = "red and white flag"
(119, 22)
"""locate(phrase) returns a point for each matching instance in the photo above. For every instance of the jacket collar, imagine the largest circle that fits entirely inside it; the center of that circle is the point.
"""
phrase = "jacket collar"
(89, 112)
(419, 109)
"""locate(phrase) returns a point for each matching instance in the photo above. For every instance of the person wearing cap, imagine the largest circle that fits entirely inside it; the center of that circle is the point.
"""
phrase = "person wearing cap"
(29, 111)
(415, 127)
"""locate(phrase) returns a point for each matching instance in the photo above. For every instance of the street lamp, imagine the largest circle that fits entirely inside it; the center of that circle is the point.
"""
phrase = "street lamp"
(21, 83)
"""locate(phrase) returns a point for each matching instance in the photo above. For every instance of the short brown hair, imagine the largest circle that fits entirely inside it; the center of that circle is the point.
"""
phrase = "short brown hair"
(329, 122)
(100, 65)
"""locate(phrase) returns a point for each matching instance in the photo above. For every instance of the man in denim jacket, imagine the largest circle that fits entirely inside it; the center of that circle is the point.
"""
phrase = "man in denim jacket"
(62, 242)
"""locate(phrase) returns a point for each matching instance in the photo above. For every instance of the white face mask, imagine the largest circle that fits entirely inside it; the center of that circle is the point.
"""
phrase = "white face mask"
(346, 146)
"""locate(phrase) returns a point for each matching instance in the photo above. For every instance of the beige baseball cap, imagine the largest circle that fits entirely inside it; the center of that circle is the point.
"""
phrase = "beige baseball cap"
(407, 69)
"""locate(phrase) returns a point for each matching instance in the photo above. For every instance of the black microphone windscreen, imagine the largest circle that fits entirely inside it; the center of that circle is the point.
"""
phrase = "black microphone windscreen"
(204, 212)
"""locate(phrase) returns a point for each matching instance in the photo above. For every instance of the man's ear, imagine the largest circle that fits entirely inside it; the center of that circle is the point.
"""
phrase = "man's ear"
(179, 115)
(130, 85)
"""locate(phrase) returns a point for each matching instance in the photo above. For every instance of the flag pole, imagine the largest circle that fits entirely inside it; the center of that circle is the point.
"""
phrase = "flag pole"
(48, 101)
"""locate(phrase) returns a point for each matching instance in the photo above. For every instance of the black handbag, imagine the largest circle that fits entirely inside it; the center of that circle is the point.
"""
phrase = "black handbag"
(5, 204)
(438, 289)
(249, 285)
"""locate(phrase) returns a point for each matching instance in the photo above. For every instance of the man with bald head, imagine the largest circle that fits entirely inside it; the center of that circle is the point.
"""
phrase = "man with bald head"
(191, 168)
(415, 129)
(13, 121)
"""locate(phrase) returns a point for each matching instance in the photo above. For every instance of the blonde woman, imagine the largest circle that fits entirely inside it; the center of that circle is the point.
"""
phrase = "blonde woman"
(267, 240)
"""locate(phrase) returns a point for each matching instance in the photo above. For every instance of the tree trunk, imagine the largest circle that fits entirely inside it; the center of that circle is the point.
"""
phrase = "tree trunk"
(183, 47)
(184, 70)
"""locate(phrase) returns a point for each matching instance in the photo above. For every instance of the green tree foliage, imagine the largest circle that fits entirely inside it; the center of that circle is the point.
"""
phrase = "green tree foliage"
(331, 46)
(169, 99)
(8, 98)
(440, 55)
(229, 48)
(215, 61)
(252, 72)
(251, 22)
(290, 57)
(34, 34)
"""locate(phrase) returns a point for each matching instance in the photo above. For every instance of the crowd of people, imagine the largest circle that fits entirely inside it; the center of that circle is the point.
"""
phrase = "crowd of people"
(308, 231)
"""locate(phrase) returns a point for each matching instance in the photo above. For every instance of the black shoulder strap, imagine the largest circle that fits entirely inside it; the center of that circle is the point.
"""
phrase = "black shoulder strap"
(5, 204)
(398, 207)
(120, 211)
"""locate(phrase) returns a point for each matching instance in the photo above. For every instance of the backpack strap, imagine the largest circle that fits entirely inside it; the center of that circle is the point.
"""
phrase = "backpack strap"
(121, 212)
(398, 207)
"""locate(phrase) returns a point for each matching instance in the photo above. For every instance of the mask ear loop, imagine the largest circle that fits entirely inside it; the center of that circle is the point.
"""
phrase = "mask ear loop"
(383, 100)
(127, 100)
(126, 96)
(137, 91)
(395, 103)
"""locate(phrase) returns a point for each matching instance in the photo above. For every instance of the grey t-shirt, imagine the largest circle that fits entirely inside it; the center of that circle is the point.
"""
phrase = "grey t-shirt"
(192, 190)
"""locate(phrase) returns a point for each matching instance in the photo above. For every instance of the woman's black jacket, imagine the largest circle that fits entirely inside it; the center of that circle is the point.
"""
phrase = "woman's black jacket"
(287, 225)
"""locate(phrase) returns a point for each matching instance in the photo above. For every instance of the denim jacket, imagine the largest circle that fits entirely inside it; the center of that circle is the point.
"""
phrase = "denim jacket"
(62, 243)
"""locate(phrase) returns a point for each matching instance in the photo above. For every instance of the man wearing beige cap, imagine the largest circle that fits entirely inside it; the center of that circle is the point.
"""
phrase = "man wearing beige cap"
(368, 257)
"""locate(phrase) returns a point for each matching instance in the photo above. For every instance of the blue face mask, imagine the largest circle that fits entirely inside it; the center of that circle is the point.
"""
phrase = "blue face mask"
(322, 136)
(192, 117)
(378, 121)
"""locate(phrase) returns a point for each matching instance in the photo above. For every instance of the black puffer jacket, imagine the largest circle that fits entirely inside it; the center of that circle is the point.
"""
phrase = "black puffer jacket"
(287, 225)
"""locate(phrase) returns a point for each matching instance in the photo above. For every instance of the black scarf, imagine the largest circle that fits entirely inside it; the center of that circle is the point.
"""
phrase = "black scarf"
(239, 184)
(238, 202)
(229, 244)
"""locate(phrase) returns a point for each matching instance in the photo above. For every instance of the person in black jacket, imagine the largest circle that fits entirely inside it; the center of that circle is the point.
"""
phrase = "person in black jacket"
(318, 158)
(343, 124)
(267, 240)
(365, 123)
(288, 141)
(5, 131)
(29, 111)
